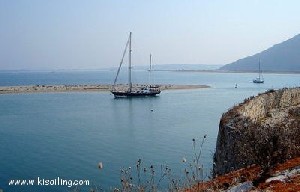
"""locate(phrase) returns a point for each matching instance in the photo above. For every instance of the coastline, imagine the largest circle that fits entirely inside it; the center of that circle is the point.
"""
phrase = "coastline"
(80, 88)
(228, 71)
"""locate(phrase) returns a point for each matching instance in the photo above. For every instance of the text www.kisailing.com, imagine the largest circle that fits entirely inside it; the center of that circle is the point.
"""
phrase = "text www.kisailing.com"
(48, 182)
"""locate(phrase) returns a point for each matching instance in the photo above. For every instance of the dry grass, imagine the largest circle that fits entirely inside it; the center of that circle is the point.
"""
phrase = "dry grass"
(253, 174)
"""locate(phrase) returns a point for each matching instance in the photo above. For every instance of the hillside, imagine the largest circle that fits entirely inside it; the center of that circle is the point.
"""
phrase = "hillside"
(281, 57)
(178, 67)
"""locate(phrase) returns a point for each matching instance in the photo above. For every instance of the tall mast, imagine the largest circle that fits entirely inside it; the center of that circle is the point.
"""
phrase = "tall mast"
(259, 71)
(150, 62)
(129, 67)
(149, 70)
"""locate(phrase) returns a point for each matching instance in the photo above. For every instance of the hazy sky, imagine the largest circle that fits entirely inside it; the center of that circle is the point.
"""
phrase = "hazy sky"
(91, 34)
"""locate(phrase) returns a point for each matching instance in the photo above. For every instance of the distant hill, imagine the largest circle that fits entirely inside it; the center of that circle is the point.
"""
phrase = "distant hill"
(177, 67)
(283, 57)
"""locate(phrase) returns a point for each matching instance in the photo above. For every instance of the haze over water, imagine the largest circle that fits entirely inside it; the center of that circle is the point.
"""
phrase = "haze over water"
(67, 134)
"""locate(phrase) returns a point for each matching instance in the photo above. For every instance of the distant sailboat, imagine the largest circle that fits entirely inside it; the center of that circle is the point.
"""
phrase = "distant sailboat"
(260, 78)
(145, 90)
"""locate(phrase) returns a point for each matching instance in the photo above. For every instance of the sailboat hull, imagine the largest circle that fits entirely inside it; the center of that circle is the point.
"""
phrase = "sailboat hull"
(135, 93)
(258, 81)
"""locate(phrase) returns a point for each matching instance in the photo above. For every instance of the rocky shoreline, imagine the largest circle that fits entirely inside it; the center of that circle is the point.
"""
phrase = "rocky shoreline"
(79, 88)
(258, 145)
(263, 130)
(284, 177)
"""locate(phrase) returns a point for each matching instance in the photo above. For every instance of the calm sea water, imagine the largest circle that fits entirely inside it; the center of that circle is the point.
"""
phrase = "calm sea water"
(66, 134)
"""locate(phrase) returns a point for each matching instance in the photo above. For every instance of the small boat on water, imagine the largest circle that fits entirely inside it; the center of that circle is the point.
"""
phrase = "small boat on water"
(260, 78)
(130, 90)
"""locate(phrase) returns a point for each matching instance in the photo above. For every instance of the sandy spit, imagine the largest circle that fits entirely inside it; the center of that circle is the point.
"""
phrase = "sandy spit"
(79, 88)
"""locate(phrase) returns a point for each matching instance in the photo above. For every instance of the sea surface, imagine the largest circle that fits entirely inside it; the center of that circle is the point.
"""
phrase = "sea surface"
(66, 135)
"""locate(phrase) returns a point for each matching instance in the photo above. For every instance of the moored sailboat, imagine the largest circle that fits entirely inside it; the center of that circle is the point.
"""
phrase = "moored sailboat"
(260, 78)
(131, 91)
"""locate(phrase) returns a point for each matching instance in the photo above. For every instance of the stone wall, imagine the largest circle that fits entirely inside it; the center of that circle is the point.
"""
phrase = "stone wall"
(262, 130)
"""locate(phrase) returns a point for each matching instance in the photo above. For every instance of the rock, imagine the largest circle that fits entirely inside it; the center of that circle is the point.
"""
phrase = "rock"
(246, 186)
(263, 130)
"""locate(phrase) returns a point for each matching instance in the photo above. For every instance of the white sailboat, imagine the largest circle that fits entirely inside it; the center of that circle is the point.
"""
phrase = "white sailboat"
(130, 91)
(260, 78)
